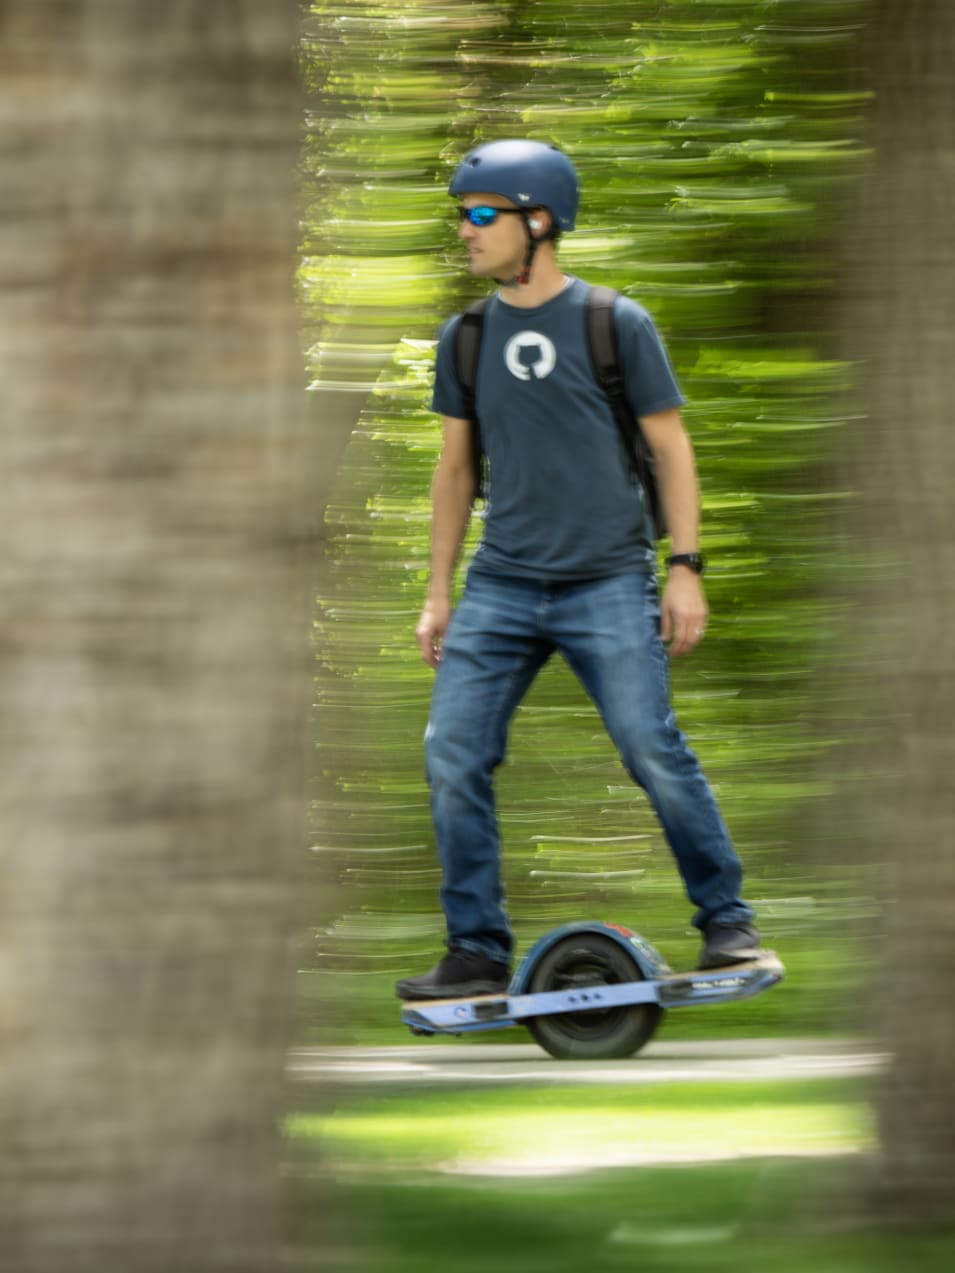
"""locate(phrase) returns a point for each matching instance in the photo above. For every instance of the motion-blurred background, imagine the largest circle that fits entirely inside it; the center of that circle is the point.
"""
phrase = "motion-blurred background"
(720, 148)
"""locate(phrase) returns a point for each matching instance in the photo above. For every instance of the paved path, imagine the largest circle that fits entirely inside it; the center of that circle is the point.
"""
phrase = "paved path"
(468, 1064)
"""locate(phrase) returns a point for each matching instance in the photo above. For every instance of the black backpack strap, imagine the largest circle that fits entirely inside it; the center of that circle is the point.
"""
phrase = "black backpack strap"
(467, 351)
(605, 359)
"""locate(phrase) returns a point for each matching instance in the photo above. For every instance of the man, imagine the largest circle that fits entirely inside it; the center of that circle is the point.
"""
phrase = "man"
(566, 564)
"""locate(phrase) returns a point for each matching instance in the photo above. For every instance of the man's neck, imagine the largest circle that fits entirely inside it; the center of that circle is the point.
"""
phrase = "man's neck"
(547, 281)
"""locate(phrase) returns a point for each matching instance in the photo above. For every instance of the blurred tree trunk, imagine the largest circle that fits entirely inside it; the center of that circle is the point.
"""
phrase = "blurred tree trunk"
(903, 313)
(153, 648)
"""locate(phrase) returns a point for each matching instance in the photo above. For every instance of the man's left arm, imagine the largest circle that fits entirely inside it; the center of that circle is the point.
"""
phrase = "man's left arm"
(683, 604)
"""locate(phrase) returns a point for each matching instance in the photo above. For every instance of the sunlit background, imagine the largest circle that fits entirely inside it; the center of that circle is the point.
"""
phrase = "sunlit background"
(717, 145)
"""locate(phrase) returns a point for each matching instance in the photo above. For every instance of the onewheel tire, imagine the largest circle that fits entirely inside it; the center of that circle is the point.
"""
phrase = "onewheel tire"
(588, 959)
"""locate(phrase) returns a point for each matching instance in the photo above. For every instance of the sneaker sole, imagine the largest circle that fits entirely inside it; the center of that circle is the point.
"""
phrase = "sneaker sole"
(725, 959)
(464, 990)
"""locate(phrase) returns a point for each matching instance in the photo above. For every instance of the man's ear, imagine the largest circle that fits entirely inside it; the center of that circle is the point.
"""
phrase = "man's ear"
(540, 222)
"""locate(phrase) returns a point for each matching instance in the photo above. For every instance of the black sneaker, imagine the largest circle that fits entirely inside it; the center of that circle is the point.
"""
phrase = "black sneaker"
(459, 975)
(729, 944)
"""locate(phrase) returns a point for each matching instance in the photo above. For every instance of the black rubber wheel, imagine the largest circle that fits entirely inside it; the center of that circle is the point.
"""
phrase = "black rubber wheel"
(589, 959)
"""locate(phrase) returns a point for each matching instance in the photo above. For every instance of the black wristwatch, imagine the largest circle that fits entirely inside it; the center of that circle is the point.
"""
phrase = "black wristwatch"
(693, 561)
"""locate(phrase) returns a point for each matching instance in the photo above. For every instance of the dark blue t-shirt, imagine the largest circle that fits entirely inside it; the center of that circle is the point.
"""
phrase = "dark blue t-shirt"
(563, 503)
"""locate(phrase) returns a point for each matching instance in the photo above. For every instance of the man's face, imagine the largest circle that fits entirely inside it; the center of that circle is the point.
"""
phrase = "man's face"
(498, 250)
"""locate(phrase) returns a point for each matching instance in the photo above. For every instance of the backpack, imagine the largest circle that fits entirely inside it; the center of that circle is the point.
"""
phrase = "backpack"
(602, 344)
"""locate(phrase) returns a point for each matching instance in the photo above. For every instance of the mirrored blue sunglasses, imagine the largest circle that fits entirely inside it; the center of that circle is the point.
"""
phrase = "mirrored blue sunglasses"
(482, 216)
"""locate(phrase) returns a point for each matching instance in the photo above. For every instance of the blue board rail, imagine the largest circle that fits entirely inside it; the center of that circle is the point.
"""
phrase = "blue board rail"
(674, 990)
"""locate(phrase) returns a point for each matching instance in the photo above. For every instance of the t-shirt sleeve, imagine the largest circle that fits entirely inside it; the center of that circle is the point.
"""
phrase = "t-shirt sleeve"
(649, 379)
(448, 396)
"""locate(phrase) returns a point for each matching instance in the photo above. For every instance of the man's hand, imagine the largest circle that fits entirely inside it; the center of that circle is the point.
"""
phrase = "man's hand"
(683, 611)
(431, 628)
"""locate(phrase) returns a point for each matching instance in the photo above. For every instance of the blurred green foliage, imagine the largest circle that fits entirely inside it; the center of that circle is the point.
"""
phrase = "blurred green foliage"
(712, 1218)
(716, 143)
(535, 1130)
(670, 1177)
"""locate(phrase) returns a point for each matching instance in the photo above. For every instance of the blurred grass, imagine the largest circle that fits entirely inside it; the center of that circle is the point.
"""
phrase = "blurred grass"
(404, 1176)
(741, 1216)
(554, 1129)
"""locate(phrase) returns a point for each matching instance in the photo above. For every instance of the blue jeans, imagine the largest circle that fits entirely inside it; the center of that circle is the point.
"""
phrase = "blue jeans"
(502, 633)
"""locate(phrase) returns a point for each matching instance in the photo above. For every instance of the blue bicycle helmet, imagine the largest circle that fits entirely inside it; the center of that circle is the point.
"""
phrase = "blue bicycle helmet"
(529, 173)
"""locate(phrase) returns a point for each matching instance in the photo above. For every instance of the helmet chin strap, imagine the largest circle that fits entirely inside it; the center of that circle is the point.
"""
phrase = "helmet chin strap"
(532, 245)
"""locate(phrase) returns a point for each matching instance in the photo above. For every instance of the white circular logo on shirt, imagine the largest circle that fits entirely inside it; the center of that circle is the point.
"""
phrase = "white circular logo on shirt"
(529, 354)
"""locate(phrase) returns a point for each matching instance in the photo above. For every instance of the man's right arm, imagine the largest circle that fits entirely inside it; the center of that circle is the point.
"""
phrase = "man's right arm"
(453, 491)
